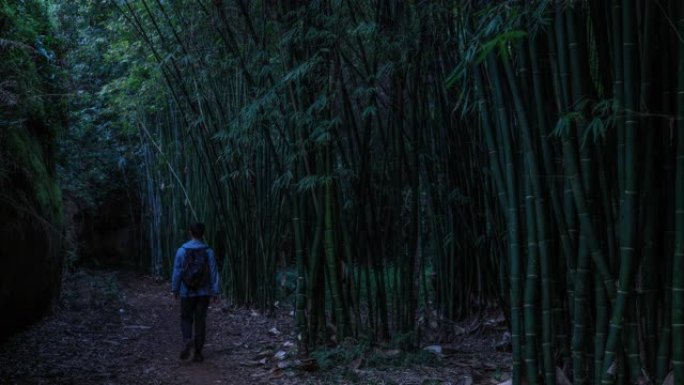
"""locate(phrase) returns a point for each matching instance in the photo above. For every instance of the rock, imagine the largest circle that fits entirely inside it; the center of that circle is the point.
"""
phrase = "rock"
(434, 349)
(465, 380)
(389, 353)
(284, 364)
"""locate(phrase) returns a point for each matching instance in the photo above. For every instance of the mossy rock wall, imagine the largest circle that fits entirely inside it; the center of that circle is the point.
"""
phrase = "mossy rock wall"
(30, 198)
(30, 230)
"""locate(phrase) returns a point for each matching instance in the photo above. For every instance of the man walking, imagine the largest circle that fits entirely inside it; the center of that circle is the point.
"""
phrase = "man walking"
(195, 279)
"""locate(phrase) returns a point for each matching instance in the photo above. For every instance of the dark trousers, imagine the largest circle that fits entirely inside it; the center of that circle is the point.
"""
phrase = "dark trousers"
(194, 310)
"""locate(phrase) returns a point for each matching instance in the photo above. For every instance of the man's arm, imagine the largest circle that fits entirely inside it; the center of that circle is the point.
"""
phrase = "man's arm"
(177, 269)
(213, 271)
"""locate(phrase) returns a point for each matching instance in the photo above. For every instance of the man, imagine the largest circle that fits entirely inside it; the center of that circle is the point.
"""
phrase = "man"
(195, 289)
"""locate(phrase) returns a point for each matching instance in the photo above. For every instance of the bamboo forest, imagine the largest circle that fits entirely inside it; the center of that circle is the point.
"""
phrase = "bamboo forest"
(383, 191)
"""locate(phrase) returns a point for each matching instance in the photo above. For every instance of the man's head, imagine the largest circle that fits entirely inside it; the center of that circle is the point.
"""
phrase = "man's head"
(197, 230)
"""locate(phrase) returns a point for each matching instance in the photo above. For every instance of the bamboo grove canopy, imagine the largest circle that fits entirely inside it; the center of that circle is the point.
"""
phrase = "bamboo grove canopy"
(406, 156)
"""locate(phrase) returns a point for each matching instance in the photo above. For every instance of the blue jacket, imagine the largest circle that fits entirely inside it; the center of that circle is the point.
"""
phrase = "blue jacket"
(177, 286)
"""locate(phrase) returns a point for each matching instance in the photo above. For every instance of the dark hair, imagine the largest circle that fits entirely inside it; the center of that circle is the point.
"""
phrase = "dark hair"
(197, 230)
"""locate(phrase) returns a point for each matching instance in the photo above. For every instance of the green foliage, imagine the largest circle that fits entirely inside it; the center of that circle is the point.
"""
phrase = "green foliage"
(91, 290)
(339, 356)
(31, 111)
(27, 154)
(351, 353)
(103, 81)
(378, 359)
(500, 42)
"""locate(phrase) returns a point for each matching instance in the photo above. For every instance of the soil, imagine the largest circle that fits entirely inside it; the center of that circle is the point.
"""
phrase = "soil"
(122, 328)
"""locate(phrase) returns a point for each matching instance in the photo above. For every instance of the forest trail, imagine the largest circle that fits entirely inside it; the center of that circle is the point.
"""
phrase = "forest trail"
(118, 328)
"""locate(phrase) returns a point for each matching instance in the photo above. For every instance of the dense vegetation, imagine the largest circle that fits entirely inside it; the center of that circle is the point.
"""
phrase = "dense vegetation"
(397, 163)
(323, 133)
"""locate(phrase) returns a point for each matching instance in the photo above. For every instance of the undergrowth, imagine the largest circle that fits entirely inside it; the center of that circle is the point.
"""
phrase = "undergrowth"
(352, 355)
(86, 289)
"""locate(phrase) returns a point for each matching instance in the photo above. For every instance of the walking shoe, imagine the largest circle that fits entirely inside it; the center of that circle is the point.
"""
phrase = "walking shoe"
(198, 357)
(185, 353)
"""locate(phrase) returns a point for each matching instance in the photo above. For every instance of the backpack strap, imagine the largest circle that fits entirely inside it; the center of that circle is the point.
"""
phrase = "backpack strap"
(205, 248)
(195, 248)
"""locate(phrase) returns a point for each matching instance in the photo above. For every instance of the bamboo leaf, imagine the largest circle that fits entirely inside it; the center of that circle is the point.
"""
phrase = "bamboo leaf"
(501, 42)
(596, 129)
(300, 71)
(309, 183)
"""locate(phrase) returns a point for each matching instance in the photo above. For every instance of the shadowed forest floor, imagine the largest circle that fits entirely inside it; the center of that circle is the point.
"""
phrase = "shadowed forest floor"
(119, 328)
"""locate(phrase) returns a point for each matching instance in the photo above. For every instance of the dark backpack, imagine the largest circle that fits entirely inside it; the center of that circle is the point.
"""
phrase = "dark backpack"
(196, 268)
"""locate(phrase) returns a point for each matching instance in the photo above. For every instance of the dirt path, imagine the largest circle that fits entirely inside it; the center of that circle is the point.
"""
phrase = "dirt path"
(118, 328)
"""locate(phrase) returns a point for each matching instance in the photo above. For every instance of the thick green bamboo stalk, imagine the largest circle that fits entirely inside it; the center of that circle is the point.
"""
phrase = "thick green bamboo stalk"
(600, 333)
(630, 201)
(668, 148)
(331, 259)
(628, 240)
(515, 275)
(493, 155)
(300, 300)
(587, 226)
(650, 205)
(352, 279)
(543, 228)
(575, 184)
(562, 89)
(678, 261)
(410, 281)
(489, 136)
(531, 284)
(618, 90)
(315, 287)
(583, 268)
